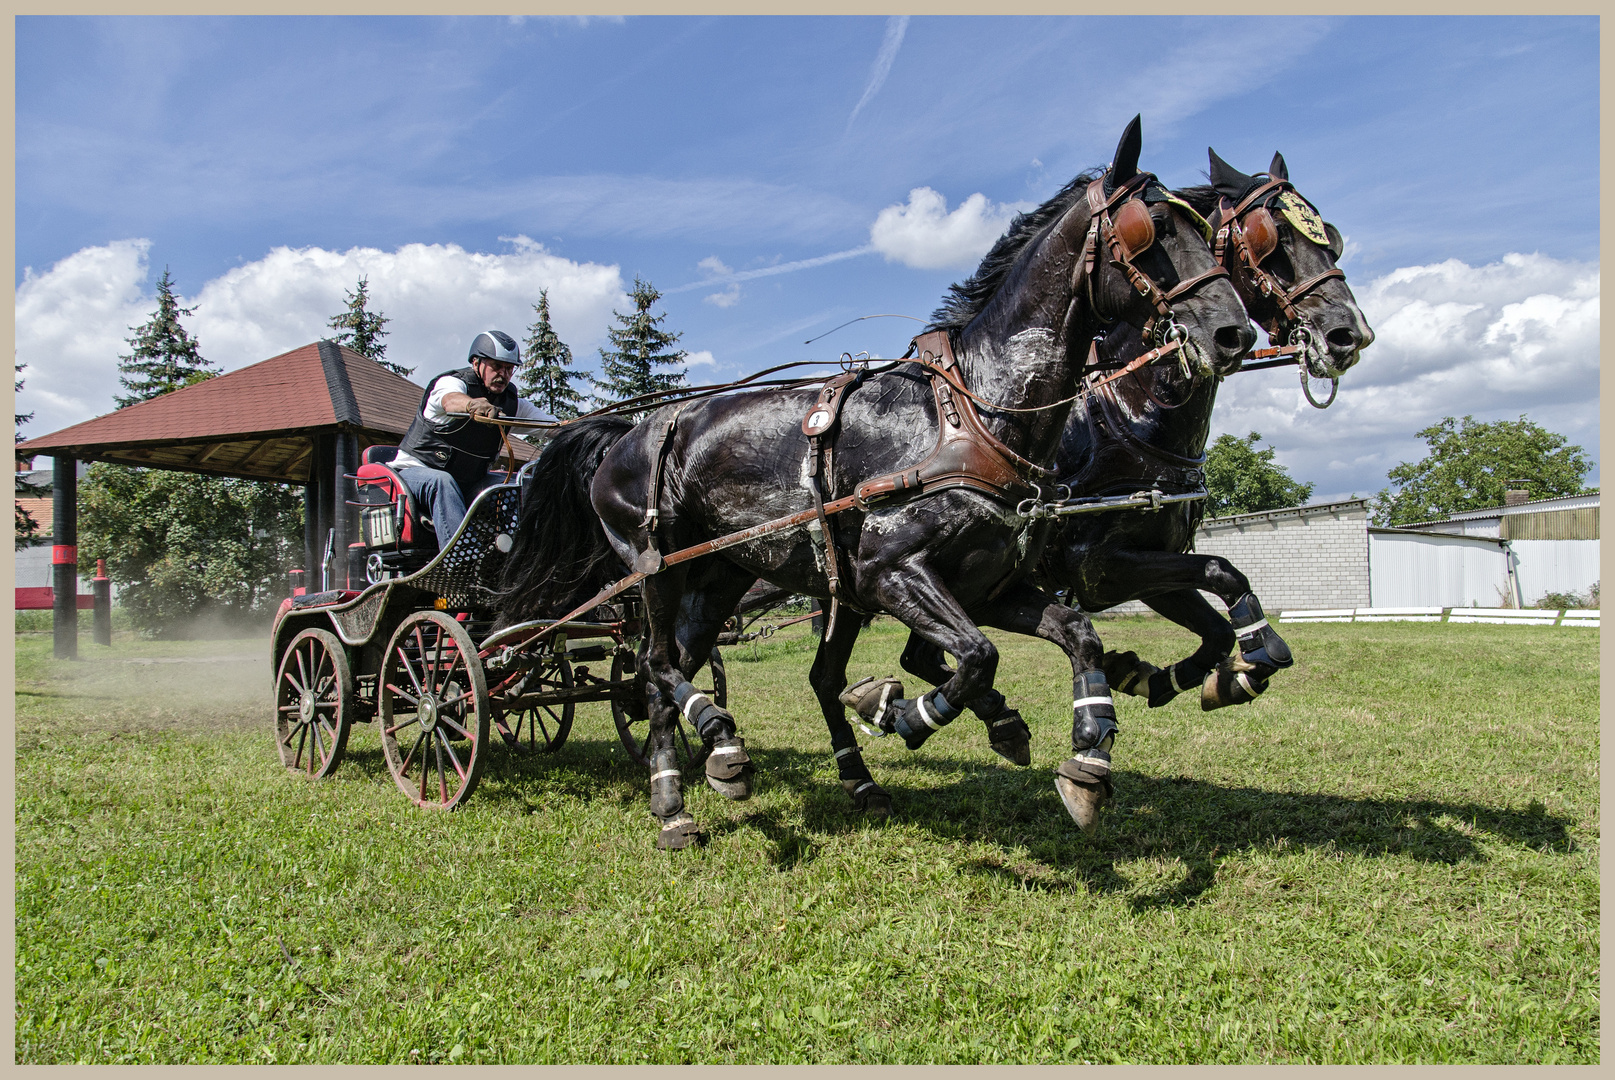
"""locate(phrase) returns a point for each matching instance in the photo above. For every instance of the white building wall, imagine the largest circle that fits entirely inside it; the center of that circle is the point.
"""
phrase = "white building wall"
(1308, 557)
(1408, 569)
(1546, 566)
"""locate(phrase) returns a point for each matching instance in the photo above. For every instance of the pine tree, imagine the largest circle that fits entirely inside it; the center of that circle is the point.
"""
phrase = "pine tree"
(27, 527)
(362, 330)
(546, 379)
(164, 357)
(638, 344)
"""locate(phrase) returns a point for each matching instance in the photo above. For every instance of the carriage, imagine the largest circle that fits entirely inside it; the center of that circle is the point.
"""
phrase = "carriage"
(415, 650)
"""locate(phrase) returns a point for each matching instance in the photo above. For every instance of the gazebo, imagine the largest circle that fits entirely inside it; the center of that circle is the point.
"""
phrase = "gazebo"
(303, 417)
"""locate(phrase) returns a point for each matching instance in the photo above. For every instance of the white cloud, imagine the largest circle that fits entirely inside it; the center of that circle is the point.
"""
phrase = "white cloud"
(925, 235)
(726, 299)
(714, 266)
(1516, 336)
(703, 358)
(896, 27)
(72, 318)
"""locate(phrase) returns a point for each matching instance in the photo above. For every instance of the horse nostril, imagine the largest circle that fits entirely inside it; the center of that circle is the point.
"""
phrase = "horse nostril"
(1342, 339)
(1234, 340)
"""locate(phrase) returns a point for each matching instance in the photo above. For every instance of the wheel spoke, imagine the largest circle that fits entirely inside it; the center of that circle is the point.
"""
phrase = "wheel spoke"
(302, 738)
(437, 661)
(538, 721)
(403, 770)
(316, 746)
(447, 722)
(442, 783)
(302, 670)
(453, 758)
(403, 694)
(426, 768)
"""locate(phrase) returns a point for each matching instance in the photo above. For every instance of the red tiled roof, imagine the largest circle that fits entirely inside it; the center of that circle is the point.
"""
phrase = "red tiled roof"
(285, 392)
(257, 422)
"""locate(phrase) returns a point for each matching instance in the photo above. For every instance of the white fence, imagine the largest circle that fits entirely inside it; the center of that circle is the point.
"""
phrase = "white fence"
(1502, 616)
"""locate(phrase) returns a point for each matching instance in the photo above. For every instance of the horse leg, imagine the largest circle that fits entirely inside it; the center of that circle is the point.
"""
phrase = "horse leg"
(1083, 780)
(1189, 609)
(913, 593)
(1224, 680)
(708, 601)
(1007, 733)
(828, 678)
(662, 677)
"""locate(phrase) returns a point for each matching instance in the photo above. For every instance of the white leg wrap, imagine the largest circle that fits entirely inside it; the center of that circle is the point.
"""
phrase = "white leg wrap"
(1251, 629)
(665, 772)
(1244, 680)
(1175, 684)
(849, 750)
(692, 704)
(1080, 702)
(925, 715)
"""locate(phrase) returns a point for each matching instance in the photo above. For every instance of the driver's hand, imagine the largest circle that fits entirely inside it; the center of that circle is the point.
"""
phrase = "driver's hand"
(482, 407)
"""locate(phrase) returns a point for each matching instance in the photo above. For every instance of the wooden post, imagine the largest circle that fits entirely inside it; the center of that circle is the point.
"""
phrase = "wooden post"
(345, 462)
(103, 604)
(64, 557)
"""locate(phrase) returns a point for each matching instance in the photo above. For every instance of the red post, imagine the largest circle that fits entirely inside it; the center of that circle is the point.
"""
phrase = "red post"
(103, 604)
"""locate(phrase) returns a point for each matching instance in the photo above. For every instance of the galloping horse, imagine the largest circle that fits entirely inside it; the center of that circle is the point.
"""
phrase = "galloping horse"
(927, 530)
(1150, 430)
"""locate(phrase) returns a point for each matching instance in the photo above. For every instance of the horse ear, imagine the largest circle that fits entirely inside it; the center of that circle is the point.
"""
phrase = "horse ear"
(1228, 181)
(1277, 170)
(1124, 166)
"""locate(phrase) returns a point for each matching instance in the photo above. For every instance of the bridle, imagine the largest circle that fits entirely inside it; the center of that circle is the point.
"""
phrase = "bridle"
(1121, 223)
(1247, 232)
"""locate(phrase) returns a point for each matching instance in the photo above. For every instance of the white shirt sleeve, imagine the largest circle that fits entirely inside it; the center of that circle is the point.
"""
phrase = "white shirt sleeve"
(441, 389)
(526, 410)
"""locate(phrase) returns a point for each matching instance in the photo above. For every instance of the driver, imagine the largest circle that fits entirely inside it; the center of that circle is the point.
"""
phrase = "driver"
(443, 459)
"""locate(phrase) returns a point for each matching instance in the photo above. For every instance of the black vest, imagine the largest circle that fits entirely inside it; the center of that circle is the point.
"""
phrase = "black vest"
(458, 445)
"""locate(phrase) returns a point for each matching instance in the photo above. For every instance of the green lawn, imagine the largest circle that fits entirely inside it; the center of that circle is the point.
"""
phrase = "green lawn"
(1392, 856)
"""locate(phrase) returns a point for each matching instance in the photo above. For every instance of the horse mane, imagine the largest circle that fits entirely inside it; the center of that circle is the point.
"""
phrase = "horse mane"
(560, 556)
(966, 299)
(1203, 197)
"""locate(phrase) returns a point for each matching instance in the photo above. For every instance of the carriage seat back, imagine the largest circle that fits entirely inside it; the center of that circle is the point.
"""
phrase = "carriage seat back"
(379, 485)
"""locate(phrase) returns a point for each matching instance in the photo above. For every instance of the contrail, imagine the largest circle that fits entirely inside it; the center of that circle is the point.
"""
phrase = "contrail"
(770, 271)
(896, 25)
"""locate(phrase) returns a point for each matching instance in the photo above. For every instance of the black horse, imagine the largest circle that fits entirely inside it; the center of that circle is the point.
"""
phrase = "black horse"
(1150, 429)
(1112, 245)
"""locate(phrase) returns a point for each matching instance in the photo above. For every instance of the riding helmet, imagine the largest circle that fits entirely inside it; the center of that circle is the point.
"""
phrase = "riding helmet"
(495, 345)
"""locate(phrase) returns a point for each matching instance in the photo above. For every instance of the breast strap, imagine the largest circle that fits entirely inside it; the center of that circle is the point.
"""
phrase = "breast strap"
(966, 454)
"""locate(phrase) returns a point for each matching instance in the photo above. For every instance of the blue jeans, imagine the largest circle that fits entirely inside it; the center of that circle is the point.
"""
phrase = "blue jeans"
(439, 499)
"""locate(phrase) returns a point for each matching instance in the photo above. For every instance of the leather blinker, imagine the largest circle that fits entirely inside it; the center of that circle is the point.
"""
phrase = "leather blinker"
(1261, 234)
(1134, 227)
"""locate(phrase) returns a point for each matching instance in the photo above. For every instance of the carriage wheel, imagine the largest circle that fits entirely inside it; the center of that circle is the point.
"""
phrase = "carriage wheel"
(540, 729)
(434, 710)
(314, 703)
(633, 721)
(720, 680)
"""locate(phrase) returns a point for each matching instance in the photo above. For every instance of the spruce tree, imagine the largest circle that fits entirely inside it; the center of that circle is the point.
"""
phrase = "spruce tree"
(164, 357)
(546, 377)
(639, 347)
(27, 527)
(362, 330)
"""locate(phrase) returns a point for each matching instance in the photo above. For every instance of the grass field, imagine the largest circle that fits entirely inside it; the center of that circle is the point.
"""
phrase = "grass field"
(1392, 856)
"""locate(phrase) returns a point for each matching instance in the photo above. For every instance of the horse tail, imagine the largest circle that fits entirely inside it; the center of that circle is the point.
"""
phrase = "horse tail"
(560, 556)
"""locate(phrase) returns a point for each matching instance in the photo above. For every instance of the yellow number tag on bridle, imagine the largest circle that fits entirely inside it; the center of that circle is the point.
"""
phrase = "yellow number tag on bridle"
(1300, 214)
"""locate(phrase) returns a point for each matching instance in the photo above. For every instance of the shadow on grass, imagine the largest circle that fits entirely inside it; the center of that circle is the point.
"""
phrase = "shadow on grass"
(1018, 810)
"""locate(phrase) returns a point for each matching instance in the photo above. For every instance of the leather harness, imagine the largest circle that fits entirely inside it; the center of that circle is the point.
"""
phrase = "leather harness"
(1228, 220)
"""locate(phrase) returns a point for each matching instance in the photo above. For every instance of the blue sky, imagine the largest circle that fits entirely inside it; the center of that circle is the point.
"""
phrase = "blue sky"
(465, 163)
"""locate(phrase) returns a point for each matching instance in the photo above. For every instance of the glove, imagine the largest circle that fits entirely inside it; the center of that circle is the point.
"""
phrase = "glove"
(482, 407)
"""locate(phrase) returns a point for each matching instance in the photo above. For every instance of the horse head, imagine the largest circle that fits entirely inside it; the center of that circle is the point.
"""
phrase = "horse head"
(1145, 259)
(1282, 255)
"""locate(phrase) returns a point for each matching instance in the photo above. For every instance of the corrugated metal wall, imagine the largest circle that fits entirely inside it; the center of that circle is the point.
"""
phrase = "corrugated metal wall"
(1579, 524)
(1430, 569)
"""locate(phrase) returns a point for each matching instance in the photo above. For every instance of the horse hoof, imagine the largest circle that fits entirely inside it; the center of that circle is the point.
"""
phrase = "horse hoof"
(1082, 801)
(680, 832)
(869, 798)
(1234, 682)
(1016, 751)
(869, 696)
(729, 769)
